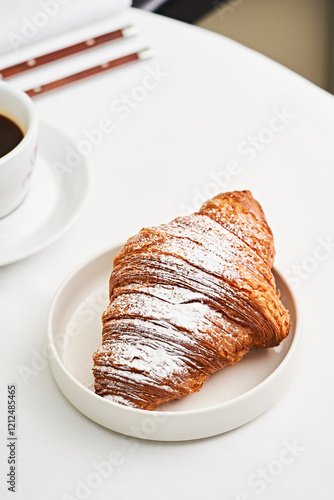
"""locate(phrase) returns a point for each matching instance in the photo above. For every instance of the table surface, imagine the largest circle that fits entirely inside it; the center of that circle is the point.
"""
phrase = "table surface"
(215, 102)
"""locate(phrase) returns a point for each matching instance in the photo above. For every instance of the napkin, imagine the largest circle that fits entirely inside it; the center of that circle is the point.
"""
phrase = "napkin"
(24, 22)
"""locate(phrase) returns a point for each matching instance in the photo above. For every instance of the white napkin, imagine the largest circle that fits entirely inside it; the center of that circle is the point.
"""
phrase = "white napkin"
(24, 22)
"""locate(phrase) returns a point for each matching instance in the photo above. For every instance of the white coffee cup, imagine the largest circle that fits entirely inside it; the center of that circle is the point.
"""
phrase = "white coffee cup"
(16, 166)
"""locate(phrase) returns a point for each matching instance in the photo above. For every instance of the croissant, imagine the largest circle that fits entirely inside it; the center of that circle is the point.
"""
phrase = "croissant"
(189, 298)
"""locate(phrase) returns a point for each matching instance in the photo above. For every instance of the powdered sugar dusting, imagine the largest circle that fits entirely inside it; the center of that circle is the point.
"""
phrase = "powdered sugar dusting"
(187, 298)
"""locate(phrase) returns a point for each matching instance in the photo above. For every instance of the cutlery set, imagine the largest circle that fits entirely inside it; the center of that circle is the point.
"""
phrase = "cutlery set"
(86, 45)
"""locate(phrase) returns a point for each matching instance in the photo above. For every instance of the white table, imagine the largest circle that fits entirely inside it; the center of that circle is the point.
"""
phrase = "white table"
(213, 98)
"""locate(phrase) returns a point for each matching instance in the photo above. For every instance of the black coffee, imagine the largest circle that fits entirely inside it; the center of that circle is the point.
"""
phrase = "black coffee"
(10, 135)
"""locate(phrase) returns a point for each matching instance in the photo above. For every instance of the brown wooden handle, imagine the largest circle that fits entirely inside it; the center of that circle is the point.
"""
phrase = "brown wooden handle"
(83, 74)
(36, 62)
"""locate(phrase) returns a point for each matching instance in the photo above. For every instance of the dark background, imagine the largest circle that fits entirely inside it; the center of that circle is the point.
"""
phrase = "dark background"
(188, 11)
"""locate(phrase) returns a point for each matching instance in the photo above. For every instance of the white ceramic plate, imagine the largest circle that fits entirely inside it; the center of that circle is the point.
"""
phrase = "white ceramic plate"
(58, 191)
(230, 398)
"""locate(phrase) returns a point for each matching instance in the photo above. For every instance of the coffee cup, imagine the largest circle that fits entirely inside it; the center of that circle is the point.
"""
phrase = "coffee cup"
(17, 164)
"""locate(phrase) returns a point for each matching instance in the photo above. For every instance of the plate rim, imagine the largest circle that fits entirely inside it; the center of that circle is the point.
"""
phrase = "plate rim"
(86, 173)
(168, 414)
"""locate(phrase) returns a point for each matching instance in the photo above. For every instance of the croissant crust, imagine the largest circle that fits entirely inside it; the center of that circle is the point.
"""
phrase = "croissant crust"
(189, 298)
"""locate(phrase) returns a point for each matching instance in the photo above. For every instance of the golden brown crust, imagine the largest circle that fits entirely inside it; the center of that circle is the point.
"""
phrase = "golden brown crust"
(188, 298)
(244, 217)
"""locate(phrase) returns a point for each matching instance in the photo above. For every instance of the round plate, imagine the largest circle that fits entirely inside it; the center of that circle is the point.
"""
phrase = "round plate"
(59, 189)
(230, 398)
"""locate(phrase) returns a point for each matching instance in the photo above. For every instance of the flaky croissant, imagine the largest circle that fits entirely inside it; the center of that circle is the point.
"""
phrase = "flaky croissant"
(188, 298)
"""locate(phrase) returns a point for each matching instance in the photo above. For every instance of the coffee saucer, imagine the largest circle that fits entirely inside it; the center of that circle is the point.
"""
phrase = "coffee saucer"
(59, 188)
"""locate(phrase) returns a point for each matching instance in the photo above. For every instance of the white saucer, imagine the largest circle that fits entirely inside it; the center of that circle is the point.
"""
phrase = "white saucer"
(230, 398)
(57, 195)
